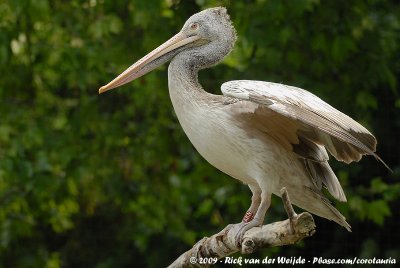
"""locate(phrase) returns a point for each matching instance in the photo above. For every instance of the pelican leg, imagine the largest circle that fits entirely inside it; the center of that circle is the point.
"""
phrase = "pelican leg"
(255, 203)
(258, 218)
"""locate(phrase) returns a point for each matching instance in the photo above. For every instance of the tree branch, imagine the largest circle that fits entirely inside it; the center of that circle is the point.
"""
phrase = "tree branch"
(222, 244)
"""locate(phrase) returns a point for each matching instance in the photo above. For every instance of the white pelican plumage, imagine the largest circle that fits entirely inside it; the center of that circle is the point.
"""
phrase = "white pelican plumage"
(266, 135)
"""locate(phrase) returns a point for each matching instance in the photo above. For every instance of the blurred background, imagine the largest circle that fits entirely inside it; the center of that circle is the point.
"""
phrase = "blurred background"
(112, 180)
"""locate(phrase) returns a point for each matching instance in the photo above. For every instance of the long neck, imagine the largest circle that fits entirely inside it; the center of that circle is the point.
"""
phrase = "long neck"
(184, 87)
(183, 83)
(184, 67)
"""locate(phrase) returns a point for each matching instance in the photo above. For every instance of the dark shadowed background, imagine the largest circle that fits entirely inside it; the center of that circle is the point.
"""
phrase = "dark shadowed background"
(111, 180)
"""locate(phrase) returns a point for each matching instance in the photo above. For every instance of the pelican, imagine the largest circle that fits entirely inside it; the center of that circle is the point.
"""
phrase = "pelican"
(266, 135)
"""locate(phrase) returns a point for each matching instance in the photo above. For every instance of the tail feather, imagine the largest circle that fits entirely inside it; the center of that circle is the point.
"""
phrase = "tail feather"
(322, 174)
(317, 204)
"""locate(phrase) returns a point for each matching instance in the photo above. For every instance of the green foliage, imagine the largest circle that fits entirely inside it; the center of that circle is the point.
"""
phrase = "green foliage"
(381, 196)
(112, 181)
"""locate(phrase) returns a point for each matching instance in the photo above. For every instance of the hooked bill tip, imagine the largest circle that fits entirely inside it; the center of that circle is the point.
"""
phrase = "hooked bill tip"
(102, 89)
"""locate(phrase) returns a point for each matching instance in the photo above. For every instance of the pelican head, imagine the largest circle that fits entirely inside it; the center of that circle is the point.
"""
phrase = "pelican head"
(205, 39)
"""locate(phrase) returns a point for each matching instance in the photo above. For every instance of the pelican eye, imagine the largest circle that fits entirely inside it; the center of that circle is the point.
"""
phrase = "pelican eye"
(194, 26)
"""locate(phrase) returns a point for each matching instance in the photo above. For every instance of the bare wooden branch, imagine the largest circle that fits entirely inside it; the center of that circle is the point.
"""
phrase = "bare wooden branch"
(222, 244)
(289, 208)
(287, 204)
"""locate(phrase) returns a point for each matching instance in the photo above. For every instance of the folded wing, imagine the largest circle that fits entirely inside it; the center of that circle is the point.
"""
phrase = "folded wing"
(309, 125)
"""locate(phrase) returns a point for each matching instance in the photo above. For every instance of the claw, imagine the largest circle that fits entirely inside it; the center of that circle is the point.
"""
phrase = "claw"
(244, 227)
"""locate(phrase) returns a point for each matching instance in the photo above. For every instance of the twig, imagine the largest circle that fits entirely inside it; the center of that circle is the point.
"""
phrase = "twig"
(288, 207)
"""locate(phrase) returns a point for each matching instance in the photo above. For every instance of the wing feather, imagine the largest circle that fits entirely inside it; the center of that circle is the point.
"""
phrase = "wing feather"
(343, 137)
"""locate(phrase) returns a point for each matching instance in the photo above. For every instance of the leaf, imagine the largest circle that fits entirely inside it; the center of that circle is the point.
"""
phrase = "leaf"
(378, 210)
(378, 186)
